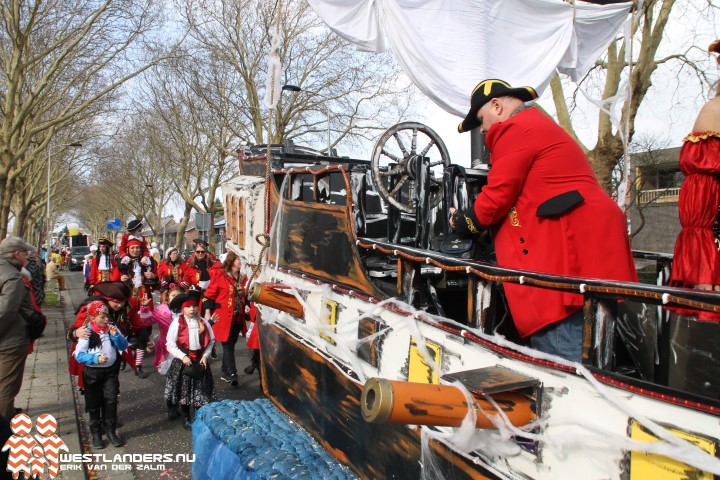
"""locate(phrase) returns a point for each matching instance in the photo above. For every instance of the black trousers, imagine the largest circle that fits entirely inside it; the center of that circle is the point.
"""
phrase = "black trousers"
(228, 358)
(101, 385)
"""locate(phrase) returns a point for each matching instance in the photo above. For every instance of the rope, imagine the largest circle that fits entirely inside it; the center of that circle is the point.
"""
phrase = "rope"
(626, 136)
(264, 238)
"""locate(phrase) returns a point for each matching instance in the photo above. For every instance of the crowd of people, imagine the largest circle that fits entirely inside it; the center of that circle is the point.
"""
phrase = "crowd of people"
(200, 300)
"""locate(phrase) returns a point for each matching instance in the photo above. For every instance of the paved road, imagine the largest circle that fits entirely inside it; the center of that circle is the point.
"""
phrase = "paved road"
(145, 427)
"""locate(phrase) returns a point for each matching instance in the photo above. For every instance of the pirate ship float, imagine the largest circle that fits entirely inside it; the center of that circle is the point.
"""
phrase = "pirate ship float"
(390, 343)
(378, 329)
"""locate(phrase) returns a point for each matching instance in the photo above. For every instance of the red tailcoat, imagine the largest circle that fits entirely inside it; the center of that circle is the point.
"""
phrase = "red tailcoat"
(534, 160)
(222, 290)
(97, 275)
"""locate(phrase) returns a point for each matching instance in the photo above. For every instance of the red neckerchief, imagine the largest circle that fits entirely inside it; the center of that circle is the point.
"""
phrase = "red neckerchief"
(98, 329)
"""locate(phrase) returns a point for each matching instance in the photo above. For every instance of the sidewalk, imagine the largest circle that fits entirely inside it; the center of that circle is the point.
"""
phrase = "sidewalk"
(46, 384)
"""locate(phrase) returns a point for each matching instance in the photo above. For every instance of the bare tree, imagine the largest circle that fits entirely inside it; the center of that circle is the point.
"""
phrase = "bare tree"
(606, 79)
(351, 93)
(62, 63)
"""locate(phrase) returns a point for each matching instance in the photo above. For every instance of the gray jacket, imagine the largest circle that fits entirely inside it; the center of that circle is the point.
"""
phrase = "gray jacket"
(15, 307)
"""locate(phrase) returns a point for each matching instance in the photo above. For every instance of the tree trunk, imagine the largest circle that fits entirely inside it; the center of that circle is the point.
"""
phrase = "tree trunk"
(6, 194)
(180, 237)
(603, 159)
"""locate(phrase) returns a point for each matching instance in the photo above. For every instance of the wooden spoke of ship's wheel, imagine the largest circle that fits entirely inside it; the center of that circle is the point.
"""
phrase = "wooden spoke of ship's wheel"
(392, 173)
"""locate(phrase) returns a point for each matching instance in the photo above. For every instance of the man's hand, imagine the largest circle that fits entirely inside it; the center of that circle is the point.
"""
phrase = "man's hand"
(186, 360)
(465, 222)
(203, 362)
(82, 332)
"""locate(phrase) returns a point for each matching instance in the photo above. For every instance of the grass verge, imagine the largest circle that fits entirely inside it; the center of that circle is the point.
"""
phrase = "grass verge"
(52, 299)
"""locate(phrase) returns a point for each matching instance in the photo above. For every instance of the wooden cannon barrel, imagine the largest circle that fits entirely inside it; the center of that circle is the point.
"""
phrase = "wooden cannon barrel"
(392, 401)
(266, 294)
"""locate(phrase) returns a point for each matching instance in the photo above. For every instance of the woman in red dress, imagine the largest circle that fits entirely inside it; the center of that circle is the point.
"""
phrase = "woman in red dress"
(696, 262)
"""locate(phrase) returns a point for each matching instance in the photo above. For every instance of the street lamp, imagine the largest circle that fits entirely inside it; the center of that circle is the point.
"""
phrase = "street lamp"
(51, 149)
(296, 89)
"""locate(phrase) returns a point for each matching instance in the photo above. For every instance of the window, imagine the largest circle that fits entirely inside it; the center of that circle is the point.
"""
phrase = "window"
(230, 218)
(240, 222)
(301, 188)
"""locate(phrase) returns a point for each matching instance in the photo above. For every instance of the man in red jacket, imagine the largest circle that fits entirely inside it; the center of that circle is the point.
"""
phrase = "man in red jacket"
(547, 213)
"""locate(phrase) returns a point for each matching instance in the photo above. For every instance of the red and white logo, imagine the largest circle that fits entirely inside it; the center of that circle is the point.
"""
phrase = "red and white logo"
(29, 454)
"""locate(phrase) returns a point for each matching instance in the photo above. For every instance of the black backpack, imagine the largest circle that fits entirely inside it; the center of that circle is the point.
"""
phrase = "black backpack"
(35, 325)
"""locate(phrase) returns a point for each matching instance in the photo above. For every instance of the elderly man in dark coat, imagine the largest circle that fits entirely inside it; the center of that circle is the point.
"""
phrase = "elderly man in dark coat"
(15, 307)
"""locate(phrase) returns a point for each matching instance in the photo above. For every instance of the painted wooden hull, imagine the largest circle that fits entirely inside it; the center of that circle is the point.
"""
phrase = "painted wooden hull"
(324, 399)
(312, 373)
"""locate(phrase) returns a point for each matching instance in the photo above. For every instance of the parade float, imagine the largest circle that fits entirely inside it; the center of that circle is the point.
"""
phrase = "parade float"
(387, 339)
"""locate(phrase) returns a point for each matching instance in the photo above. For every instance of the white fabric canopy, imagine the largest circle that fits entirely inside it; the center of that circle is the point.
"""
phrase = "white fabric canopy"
(449, 46)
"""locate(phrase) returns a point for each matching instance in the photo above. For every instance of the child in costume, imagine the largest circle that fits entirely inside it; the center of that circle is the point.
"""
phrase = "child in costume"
(189, 381)
(163, 317)
(100, 353)
(137, 276)
(133, 230)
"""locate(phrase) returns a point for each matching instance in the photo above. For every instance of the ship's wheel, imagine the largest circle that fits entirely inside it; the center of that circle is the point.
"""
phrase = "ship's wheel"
(393, 163)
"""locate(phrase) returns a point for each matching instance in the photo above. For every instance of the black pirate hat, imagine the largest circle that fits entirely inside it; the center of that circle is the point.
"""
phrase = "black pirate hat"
(134, 224)
(194, 294)
(115, 290)
(486, 91)
(105, 241)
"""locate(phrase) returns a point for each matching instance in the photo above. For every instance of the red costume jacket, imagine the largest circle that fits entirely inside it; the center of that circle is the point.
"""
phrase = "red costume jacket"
(192, 274)
(223, 290)
(171, 273)
(253, 341)
(533, 160)
(97, 275)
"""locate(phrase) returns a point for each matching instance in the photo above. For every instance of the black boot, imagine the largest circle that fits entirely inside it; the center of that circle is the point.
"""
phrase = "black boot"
(110, 422)
(255, 363)
(187, 423)
(115, 439)
(95, 429)
(139, 372)
(172, 410)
